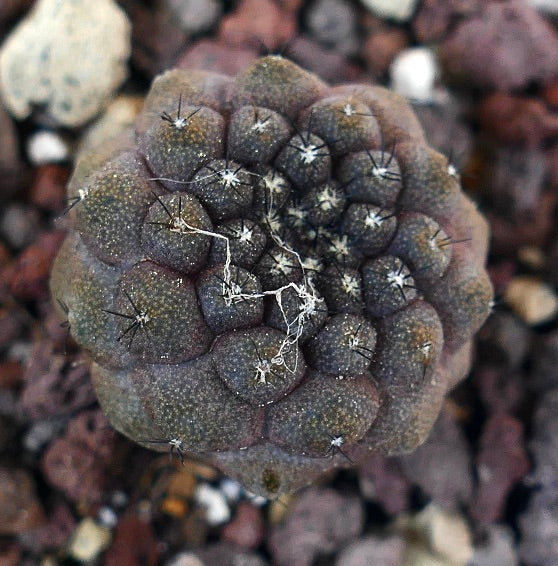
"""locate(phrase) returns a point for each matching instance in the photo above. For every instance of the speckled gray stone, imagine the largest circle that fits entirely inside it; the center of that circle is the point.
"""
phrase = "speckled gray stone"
(66, 57)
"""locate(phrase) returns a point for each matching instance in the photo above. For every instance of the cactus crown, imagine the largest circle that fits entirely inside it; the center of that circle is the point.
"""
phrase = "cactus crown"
(278, 276)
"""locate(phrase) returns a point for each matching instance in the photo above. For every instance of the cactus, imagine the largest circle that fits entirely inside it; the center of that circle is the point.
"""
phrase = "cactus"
(277, 276)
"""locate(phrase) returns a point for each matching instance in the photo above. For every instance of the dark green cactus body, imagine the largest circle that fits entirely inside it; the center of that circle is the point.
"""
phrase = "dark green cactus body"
(279, 278)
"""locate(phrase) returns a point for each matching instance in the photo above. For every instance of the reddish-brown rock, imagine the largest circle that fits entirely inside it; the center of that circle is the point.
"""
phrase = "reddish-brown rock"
(518, 120)
(32, 267)
(216, 56)
(247, 527)
(506, 45)
(134, 544)
(501, 463)
(258, 21)
(21, 510)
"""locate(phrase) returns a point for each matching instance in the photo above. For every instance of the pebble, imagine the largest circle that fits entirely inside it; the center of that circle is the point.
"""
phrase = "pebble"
(333, 23)
(185, 559)
(531, 299)
(76, 463)
(538, 525)
(532, 256)
(119, 116)
(19, 225)
(195, 16)
(435, 18)
(46, 147)
(21, 509)
(446, 130)
(48, 190)
(119, 499)
(42, 432)
(107, 517)
(373, 550)
(89, 540)
(496, 549)
(381, 48)
(247, 527)
(320, 520)
(67, 57)
(446, 535)
(213, 501)
(133, 543)
(505, 46)
(399, 10)
(57, 531)
(10, 555)
(382, 481)
(413, 74)
(329, 65)
(224, 554)
(501, 463)
(517, 120)
(445, 449)
(416, 555)
(216, 56)
(231, 489)
(258, 21)
(505, 341)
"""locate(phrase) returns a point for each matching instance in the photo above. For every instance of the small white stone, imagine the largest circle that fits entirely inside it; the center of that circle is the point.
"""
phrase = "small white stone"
(413, 74)
(400, 10)
(447, 533)
(436, 537)
(217, 510)
(256, 500)
(42, 432)
(531, 299)
(231, 489)
(107, 517)
(46, 147)
(89, 540)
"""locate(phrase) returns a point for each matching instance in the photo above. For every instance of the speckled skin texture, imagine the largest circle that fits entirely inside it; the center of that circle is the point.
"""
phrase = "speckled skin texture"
(278, 278)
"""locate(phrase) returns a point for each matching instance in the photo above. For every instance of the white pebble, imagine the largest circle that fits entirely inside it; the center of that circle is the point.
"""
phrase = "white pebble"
(89, 540)
(42, 432)
(400, 10)
(413, 74)
(66, 58)
(231, 489)
(107, 517)
(217, 510)
(256, 500)
(46, 147)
